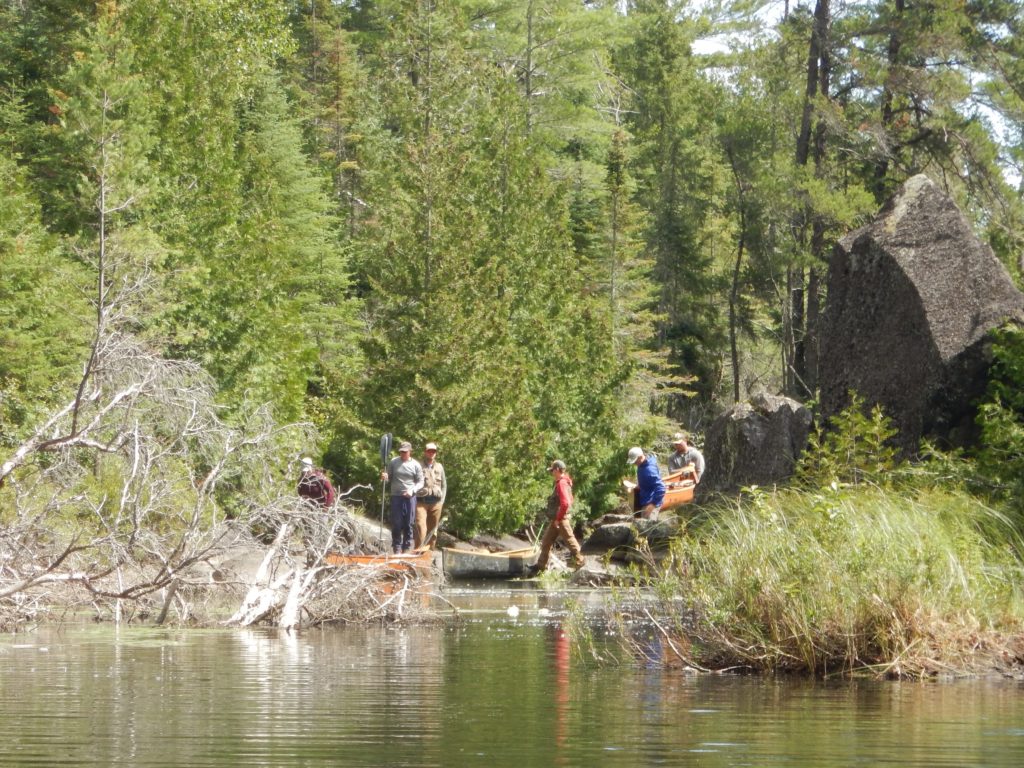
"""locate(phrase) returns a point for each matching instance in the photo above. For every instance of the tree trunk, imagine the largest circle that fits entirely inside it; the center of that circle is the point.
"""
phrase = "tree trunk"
(892, 59)
(806, 305)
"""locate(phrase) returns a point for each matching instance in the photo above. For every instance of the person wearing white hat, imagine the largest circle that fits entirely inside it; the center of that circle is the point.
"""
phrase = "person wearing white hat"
(429, 498)
(650, 489)
(314, 485)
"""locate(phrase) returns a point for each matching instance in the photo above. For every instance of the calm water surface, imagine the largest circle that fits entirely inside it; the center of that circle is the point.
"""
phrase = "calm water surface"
(496, 690)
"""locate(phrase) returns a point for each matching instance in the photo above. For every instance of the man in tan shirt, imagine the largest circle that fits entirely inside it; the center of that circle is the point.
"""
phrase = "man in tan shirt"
(430, 498)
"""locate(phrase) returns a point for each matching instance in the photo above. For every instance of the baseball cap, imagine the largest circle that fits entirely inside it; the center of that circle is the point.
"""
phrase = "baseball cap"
(634, 453)
(557, 464)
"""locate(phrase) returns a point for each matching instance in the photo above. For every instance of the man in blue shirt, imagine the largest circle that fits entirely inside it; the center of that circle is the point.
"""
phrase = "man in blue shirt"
(650, 490)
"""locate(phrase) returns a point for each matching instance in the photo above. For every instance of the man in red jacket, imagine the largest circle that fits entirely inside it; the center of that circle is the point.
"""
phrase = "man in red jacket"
(559, 503)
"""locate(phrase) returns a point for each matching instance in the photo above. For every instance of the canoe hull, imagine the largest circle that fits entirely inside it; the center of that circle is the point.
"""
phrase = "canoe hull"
(679, 489)
(471, 564)
(418, 561)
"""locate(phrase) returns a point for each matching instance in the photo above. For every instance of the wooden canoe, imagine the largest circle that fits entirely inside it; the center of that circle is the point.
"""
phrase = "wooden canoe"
(480, 564)
(679, 487)
(422, 560)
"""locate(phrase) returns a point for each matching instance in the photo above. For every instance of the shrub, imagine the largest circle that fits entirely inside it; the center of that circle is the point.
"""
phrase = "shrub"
(850, 579)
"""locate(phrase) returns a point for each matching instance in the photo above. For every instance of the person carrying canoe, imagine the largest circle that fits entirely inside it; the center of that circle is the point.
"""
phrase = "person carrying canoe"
(560, 525)
(685, 454)
(406, 476)
(650, 489)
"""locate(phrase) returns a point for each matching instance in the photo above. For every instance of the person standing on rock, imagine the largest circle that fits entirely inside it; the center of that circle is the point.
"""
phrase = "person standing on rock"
(685, 454)
(406, 476)
(650, 489)
(560, 526)
(430, 498)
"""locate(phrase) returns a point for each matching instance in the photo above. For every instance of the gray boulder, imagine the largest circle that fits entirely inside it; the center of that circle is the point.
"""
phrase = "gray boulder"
(755, 443)
(658, 533)
(610, 535)
(911, 298)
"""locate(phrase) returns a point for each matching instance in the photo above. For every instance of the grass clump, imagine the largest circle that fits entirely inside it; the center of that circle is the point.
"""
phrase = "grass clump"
(853, 578)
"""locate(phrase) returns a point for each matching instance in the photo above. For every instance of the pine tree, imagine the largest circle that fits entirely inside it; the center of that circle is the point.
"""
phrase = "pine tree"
(679, 179)
(43, 314)
(483, 337)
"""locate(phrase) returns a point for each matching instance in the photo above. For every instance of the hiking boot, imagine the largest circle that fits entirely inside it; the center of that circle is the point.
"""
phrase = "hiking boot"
(533, 570)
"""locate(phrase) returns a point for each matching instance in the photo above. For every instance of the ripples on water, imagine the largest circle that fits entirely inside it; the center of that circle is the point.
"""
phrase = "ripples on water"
(494, 690)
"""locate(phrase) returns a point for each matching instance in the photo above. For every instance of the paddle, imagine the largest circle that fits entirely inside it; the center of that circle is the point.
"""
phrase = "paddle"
(385, 451)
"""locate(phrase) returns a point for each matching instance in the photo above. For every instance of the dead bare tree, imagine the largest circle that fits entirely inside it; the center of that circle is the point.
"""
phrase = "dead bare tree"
(295, 586)
(120, 493)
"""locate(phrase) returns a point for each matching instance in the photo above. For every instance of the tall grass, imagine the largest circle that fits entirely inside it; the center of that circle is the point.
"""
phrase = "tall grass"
(852, 579)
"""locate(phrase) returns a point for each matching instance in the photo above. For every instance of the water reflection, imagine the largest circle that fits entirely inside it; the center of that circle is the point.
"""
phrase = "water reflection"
(493, 690)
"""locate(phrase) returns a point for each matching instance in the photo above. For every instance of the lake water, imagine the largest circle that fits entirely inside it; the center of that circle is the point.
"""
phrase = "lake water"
(493, 690)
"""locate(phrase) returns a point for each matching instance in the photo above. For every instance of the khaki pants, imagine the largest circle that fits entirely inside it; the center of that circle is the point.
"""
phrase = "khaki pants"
(559, 529)
(427, 517)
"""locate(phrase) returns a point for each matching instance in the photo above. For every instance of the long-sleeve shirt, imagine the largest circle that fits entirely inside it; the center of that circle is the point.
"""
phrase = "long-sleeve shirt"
(317, 488)
(649, 486)
(405, 476)
(563, 489)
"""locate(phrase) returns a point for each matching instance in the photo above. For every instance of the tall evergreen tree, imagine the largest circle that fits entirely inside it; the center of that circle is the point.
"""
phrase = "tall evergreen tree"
(43, 312)
(482, 337)
(678, 174)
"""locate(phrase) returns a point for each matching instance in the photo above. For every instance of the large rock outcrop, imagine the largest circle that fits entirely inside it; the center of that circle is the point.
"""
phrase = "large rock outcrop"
(755, 443)
(911, 298)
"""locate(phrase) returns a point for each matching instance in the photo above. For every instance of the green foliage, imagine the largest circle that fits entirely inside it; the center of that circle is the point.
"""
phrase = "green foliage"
(508, 227)
(1001, 419)
(678, 176)
(42, 311)
(259, 343)
(856, 447)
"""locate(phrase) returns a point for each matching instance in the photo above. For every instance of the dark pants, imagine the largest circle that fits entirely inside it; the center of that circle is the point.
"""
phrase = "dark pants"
(403, 514)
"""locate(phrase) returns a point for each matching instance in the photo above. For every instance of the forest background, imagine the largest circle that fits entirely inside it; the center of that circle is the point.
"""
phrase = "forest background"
(523, 229)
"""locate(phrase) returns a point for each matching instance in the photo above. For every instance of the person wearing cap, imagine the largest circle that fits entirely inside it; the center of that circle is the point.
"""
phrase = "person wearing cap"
(314, 485)
(650, 489)
(560, 525)
(429, 498)
(406, 476)
(685, 454)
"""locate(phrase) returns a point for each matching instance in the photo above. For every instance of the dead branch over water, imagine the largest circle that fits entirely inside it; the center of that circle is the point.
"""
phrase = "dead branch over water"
(124, 505)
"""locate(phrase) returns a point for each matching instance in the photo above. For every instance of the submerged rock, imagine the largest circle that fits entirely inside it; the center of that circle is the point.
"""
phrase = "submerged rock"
(911, 298)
